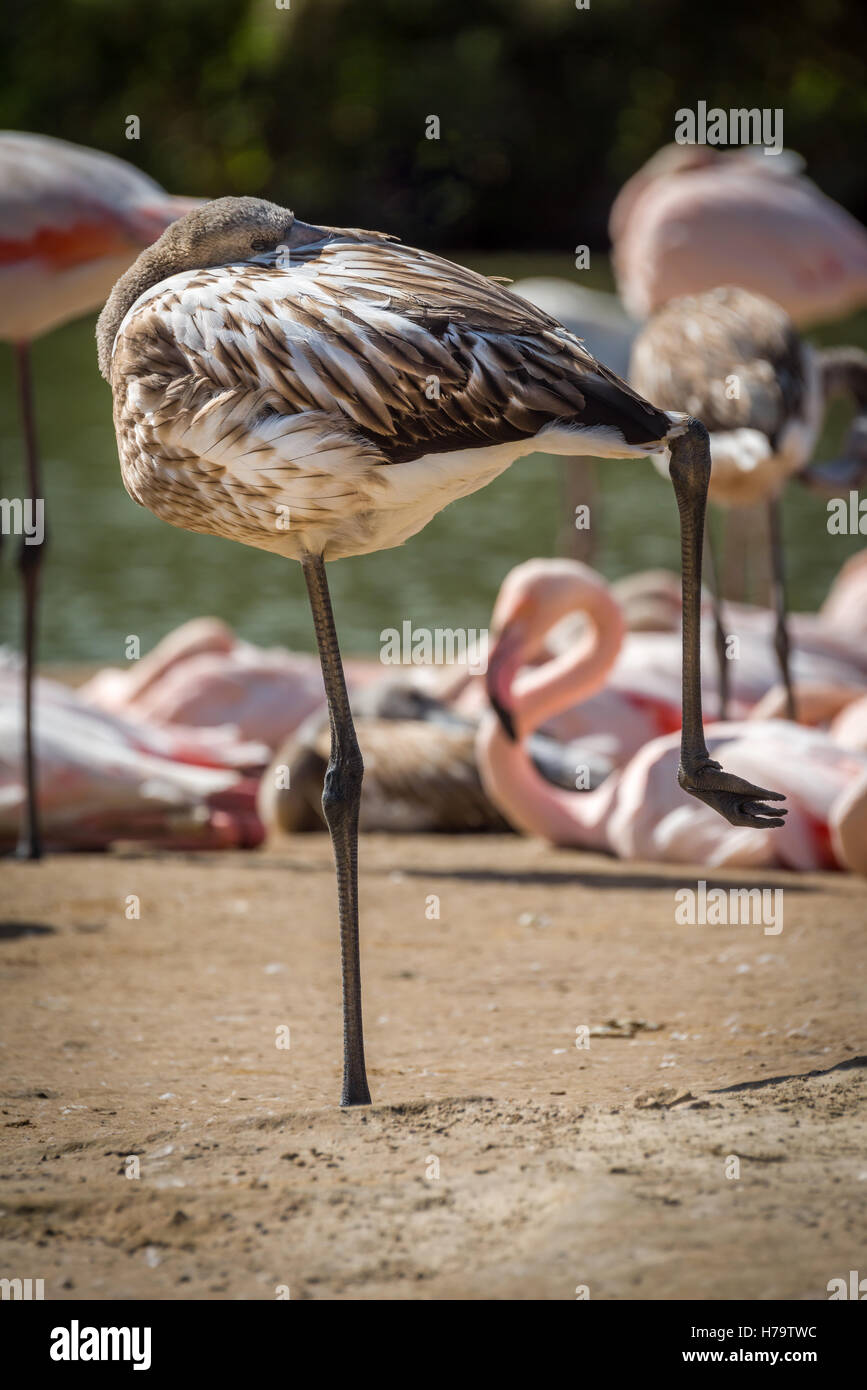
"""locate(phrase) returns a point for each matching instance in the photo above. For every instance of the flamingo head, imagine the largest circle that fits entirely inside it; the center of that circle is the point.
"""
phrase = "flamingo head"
(222, 232)
(226, 230)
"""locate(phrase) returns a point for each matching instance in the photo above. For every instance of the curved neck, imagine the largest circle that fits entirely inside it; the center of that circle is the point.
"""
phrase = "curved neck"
(545, 691)
(509, 776)
(534, 806)
(153, 265)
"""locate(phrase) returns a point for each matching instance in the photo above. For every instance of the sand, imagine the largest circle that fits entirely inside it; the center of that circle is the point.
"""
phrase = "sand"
(158, 1143)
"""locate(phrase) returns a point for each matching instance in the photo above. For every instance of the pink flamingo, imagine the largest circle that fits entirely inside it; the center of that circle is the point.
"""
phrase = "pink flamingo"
(107, 777)
(650, 600)
(641, 696)
(203, 674)
(71, 221)
(849, 724)
(638, 812)
(694, 217)
(845, 607)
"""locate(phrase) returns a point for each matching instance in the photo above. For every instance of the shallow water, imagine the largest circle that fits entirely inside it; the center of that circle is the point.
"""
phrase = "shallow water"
(113, 570)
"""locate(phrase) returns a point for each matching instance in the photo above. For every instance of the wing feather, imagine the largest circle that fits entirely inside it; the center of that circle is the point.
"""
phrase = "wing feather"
(414, 353)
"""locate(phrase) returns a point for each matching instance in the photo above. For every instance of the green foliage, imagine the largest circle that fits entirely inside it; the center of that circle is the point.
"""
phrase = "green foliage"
(544, 108)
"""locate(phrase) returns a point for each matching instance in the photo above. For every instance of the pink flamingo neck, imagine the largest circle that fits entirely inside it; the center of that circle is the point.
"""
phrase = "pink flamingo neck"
(529, 803)
(542, 692)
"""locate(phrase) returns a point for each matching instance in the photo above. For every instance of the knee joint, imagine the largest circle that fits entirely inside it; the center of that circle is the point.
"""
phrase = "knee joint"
(342, 788)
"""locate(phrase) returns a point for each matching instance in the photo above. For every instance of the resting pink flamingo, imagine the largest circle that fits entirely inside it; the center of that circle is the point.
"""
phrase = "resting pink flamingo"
(107, 777)
(273, 384)
(416, 730)
(641, 695)
(71, 221)
(639, 813)
(695, 217)
(844, 610)
(650, 600)
(202, 674)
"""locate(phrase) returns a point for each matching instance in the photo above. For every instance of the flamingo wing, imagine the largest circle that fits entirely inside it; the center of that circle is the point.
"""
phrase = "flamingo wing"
(418, 355)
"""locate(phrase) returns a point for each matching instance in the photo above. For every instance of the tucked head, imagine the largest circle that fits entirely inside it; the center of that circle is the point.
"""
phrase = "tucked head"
(224, 231)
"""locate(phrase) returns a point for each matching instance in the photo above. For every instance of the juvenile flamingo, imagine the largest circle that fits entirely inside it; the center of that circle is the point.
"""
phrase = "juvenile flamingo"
(695, 217)
(736, 360)
(638, 812)
(320, 392)
(71, 221)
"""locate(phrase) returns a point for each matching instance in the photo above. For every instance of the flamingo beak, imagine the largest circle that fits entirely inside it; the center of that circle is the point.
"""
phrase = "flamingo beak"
(504, 662)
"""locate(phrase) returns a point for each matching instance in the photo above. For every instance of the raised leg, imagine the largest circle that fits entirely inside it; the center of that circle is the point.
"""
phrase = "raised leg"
(719, 628)
(340, 802)
(30, 565)
(735, 799)
(778, 585)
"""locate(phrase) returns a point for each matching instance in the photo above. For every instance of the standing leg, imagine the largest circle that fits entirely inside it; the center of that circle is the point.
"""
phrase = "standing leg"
(719, 628)
(340, 802)
(30, 564)
(778, 585)
(735, 799)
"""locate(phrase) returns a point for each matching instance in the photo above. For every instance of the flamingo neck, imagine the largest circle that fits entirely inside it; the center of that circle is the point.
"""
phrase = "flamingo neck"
(512, 781)
(534, 806)
(541, 693)
(152, 267)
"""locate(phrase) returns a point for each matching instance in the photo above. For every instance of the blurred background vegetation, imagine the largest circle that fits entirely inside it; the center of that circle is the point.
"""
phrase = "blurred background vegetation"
(544, 110)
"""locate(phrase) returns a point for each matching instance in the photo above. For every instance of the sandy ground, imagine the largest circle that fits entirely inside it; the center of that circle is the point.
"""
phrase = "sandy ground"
(499, 1160)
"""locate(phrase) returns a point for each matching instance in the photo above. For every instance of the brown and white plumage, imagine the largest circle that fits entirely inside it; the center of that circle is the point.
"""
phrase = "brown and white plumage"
(420, 770)
(736, 360)
(357, 382)
(320, 392)
(420, 777)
